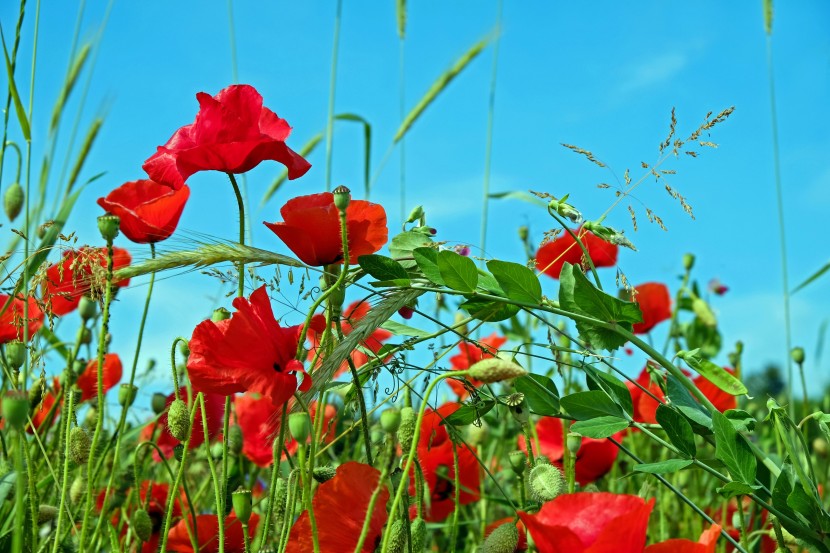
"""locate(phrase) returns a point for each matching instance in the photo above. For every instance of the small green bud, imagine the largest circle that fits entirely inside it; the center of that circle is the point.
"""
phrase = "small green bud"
(235, 439)
(158, 403)
(573, 442)
(503, 539)
(390, 420)
(518, 461)
(77, 490)
(406, 430)
(142, 525)
(220, 314)
(416, 214)
(184, 348)
(397, 537)
(178, 420)
(545, 482)
(418, 531)
(300, 427)
(688, 261)
(495, 369)
(46, 513)
(241, 499)
(524, 233)
(797, 355)
(108, 226)
(324, 474)
(13, 201)
(79, 445)
(16, 352)
(16, 408)
(126, 394)
(87, 308)
(342, 197)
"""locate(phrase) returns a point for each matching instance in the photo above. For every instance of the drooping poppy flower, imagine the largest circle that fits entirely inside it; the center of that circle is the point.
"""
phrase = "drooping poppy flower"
(706, 544)
(342, 503)
(214, 409)
(522, 545)
(250, 352)
(720, 399)
(655, 303)
(259, 420)
(207, 530)
(312, 229)
(77, 274)
(232, 133)
(472, 353)
(552, 256)
(14, 318)
(590, 523)
(593, 459)
(351, 316)
(88, 380)
(149, 211)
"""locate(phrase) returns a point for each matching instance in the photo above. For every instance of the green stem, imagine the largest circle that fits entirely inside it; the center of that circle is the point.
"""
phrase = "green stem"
(275, 475)
(217, 486)
(68, 399)
(384, 473)
(332, 83)
(30, 479)
(456, 477)
(307, 499)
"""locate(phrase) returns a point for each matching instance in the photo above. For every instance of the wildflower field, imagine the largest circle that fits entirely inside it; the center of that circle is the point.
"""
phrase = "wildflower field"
(297, 314)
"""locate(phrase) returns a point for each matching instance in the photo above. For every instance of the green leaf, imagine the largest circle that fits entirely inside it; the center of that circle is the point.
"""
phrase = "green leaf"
(382, 268)
(113, 535)
(812, 277)
(7, 482)
(588, 405)
(18, 105)
(488, 310)
(741, 420)
(612, 386)
(457, 271)
(400, 329)
(404, 244)
(367, 145)
(732, 449)
(540, 393)
(517, 281)
(469, 413)
(684, 402)
(663, 467)
(395, 282)
(715, 374)
(678, 430)
(427, 260)
(600, 427)
(489, 284)
(578, 295)
(701, 336)
(731, 489)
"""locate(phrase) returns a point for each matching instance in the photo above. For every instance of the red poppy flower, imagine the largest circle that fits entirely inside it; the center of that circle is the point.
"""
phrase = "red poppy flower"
(433, 433)
(207, 530)
(472, 353)
(250, 352)
(720, 399)
(593, 459)
(149, 211)
(88, 380)
(351, 316)
(77, 273)
(522, 545)
(12, 318)
(259, 420)
(552, 256)
(590, 523)
(655, 303)
(232, 133)
(312, 229)
(645, 406)
(342, 503)
(706, 544)
(214, 409)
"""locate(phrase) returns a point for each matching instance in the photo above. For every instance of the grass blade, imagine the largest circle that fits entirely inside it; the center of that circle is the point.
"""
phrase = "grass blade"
(18, 105)
(305, 151)
(812, 278)
(400, 13)
(367, 144)
(69, 85)
(91, 134)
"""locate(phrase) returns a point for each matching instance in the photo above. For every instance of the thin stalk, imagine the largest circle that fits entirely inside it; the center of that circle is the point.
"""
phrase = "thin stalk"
(456, 481)
(332, 83)
(307, 499)
(217, 486)
(275, 475)
(488, 150)
(69, 399)
(384, 473)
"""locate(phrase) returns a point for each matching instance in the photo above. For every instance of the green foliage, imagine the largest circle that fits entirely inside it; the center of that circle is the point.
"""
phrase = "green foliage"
(457, 272)
(518, 282)
(588, 405)
(540, 393)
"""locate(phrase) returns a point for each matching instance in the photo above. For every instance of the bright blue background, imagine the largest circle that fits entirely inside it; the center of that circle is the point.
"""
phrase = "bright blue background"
(603, 76)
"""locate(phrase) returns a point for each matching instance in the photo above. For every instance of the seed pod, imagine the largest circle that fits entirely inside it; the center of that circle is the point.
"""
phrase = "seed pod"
(142, 525)
(418, 531)
(108, 226)
(390, 420)
(545, 483)
(300, 426)
(241, 499)
(573, 442)
(79, 445)
(342, 197)
(158, 403)
(126, 394)
(397, 537)
(495, 369)
(220, 314)
(178, 420)
(518, 461)
(16, 408)
(797, 355)
(16, 352)
(323, 474)
(503, 539)
(87, 308)
(406, 430)
(13, 200)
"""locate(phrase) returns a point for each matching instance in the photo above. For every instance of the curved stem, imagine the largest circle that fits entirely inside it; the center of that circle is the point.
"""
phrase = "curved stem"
(275, 475)
(217, 486)
(384, 473)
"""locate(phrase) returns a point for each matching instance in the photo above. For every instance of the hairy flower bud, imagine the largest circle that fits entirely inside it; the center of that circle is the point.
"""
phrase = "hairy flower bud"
(77, 490)
(79, 445)
(241, 499)
(390, 420)
(418, 531)
(342, 197)
(518, 461)
(324, 474)
(503, 539)
(142, 525)
(178, 420)
(545, 482)
(235, 439)
(46, 513)
(495, 369)
(13, 200)
(397, 537)
(108, 225)
(406, 430)
(126, 394)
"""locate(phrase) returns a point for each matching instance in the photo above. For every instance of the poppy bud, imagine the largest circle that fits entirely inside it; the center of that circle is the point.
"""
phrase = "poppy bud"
(13, 201)
(299, 426)
(235, 439)
(241, 499)
(688, 261)
(323, 474)
(495, 369)
(79, 445)
(220, 314)
(77, 490)
(397, 537)
(126, 394)
(86, 336)
(16, 354)
(418, 531)
(342, 197)
(184, 348)
(545, 482)
(573, 442)
(36, 392)
(178, 420)
(390, 420)
(503, 539)
(158, 403)
(416, 214)
(518, 461)
(279, 497)
(108, 226)
(406, 430)
(523, 233)
(87, 308)
(142, 525)
(797, 355)
(16, 408)
(46, 513)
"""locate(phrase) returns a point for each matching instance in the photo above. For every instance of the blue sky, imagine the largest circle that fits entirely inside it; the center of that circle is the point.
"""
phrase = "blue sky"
(602, 76)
